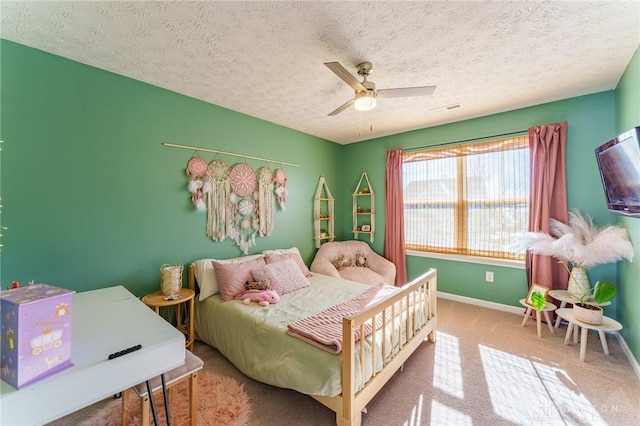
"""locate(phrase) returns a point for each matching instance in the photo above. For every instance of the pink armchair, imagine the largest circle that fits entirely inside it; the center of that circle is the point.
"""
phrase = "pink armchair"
(378, 268)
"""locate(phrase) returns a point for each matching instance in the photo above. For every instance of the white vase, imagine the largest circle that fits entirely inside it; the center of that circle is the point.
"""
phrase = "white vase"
(578, 282)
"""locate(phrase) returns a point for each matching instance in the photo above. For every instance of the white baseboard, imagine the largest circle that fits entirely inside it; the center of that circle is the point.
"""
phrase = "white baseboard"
(483, 303)
(629, 354)
(520, 311)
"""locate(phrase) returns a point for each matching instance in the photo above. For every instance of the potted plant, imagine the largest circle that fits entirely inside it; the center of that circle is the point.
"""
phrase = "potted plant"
(323, 233)
(579, 245)
(591, 313)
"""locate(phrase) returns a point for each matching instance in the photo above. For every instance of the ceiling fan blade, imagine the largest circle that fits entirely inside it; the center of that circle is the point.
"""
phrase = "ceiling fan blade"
(342, 107)
(405, 91)
(348, 78)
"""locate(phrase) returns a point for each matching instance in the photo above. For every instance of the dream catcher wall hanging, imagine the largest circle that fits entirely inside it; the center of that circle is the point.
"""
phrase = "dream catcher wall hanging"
(199, 185)
(239, 201)
(280, 180)
(265, 200)
(245, 224)
(218, 206)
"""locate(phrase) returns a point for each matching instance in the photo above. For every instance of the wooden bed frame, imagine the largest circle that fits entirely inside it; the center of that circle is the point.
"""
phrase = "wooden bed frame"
(420, 293)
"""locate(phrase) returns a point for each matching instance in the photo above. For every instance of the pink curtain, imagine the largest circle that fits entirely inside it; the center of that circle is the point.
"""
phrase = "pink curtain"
(548, 198)
(394, 216)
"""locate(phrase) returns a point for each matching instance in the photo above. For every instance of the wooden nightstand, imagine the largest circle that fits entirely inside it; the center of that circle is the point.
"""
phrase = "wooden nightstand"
(156, 300)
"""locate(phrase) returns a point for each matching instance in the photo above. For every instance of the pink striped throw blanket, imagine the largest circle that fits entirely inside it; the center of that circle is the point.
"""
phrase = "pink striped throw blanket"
(324, 329)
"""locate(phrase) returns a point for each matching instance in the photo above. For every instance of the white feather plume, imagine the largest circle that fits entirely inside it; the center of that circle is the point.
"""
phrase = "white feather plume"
(579, 242)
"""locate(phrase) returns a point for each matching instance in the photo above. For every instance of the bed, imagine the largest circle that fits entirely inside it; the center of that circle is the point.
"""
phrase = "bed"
(263, 343)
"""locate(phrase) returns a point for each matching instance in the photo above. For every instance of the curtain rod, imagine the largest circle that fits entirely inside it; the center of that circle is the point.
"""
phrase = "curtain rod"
(173, 145)
(517, 132)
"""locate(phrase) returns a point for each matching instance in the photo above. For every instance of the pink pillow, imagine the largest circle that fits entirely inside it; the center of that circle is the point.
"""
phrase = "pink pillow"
(279, 257)
(232, 276)
(285, 276)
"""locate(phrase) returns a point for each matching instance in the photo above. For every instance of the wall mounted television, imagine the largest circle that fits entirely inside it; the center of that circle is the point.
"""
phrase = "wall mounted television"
(619, 165)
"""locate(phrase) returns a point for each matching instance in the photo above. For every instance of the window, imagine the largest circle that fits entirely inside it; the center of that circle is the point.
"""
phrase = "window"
(468, 199)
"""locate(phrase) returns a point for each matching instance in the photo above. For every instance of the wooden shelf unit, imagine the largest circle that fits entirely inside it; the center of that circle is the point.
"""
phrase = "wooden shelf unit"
(323, 213)
(364, 208)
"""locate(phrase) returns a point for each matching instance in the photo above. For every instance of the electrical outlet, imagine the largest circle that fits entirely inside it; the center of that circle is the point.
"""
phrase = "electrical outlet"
(488, 276)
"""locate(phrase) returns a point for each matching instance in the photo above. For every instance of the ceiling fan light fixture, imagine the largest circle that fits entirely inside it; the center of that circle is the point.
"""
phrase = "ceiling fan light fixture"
(365, 101)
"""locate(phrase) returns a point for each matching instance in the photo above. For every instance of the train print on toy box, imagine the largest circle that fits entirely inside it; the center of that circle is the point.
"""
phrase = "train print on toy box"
(36, 333)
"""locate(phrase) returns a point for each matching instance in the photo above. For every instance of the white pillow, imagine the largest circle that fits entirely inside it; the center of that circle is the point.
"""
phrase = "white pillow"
(282, 251)
(206, 275)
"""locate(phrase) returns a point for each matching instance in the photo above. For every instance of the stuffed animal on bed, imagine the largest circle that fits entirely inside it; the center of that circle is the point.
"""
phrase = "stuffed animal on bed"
(263, 297)
(258, 285)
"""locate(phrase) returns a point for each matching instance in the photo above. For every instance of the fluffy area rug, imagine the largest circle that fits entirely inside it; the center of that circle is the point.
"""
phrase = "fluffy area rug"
(221, 401)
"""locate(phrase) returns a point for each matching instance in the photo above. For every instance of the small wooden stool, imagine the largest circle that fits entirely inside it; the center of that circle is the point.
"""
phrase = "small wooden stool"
(188, 371)
(549, 307)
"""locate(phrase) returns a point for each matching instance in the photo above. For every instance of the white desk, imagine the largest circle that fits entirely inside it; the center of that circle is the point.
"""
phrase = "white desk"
(103, 322)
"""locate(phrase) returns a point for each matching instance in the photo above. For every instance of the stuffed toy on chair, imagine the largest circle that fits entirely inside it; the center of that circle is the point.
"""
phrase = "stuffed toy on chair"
(341, 262)
(361, 260)
(263, 297)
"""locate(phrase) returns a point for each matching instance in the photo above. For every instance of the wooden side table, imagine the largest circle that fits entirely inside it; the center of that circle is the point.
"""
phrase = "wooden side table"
(157, 300)
(565, 298)
(608, 324)
(550, 307)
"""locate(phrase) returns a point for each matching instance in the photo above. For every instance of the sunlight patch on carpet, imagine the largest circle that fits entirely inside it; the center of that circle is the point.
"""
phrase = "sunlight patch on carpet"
(447, 373)
(416, 413)
(524, 391)
(442, 414)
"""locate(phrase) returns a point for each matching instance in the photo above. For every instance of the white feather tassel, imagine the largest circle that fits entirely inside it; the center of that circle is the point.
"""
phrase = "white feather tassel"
(207, 188)
(194, 185)
(579, 242)
(281, 196)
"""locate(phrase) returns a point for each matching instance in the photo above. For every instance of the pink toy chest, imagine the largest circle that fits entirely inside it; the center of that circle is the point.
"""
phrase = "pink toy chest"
(36, 333)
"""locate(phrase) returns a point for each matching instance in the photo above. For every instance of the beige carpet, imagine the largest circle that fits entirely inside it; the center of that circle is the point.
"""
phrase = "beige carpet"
(484, 370)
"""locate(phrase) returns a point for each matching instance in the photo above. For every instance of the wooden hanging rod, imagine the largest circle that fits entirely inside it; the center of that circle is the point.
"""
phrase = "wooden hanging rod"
(173, 145)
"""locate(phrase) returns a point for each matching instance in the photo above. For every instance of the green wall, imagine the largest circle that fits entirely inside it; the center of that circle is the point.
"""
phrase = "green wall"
(591, 121)
(92, 199)
(627, 117)
(90, 196)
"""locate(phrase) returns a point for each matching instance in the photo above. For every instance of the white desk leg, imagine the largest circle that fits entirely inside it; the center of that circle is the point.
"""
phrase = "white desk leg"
(539, 323)
(576, 331)
(583, 343)
(603, 340)
(562, 305)
(569, 331)
(546, 316)
(526, 317)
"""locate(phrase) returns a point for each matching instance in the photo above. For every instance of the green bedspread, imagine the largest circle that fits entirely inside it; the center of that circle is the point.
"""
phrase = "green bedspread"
(255, 339)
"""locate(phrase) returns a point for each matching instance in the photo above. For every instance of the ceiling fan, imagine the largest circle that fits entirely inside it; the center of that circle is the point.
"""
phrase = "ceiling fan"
(365, 91)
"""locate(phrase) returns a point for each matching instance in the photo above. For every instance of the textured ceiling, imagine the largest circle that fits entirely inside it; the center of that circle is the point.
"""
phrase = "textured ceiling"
(265, 59)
